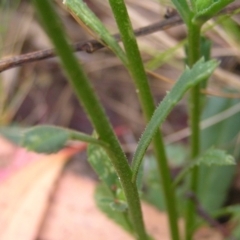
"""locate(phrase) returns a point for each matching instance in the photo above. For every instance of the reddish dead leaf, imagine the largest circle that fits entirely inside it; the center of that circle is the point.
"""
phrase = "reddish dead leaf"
(12, 158)
(24, 196)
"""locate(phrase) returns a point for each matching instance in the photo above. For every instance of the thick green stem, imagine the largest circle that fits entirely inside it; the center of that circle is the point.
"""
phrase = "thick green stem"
(195, 113)
(94, 110)
(137, 71)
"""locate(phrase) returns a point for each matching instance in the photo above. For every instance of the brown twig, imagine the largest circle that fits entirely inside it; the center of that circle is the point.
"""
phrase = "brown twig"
(93, 45)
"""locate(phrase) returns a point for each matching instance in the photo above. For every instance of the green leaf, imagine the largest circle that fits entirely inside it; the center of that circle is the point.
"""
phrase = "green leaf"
(212, 157)
(153, 188)
(183, 9)
(200, 71)
(117, 212)
(13, 134)
(215, 157)
(44, 139)
(85, 16)
(153, 192)
(235, 220)
(119, 206)
(206, 9)
(109, 197)
(102, 165)
(222, 135)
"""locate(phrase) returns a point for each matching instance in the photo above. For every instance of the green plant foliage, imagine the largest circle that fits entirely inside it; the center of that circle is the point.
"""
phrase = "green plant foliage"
(183, 9)
(93, 108)
(111, 198)
(153, 192)
(205, 9)
(102, 165)
(13, 134)
(235, 220)
(215, 157)
(212, 157)
(119, 206)
(220, 135)
(41, 139)
(82, 13)
(44, 139)
(200, 71)
(116, 210)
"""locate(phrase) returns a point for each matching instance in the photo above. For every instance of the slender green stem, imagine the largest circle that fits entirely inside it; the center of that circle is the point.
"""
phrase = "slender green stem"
(137, 71)
(94, 110)
(75, 135)
(195, 113)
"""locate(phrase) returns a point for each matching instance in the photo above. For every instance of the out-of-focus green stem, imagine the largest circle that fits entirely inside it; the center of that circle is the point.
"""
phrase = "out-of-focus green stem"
(91, 104)
(137, 71)
(195, 114)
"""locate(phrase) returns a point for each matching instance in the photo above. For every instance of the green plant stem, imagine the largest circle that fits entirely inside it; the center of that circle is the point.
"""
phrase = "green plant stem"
(195, 113)
(136, 69)
(94, 110)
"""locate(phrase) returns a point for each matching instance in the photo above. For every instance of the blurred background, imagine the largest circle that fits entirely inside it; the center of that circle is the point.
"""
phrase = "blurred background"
(38, 92)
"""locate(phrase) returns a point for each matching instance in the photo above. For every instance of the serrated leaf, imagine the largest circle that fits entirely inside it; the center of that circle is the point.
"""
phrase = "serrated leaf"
(205, 9)
(212, 157)
(216, 157)
(199, 72)
(44, 139)
(183, 9)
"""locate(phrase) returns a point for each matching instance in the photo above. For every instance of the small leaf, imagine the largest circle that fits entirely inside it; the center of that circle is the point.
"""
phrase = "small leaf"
(215, 157)
(102, 165)
(106, 202)
(44, 139)
(212, 157)
(199, 72)
(119, 206)
(205, 9)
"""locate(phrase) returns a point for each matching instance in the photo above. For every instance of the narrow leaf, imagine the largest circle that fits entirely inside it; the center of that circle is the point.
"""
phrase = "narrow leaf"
(200, 71)
(90, 21)
(183, 9)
